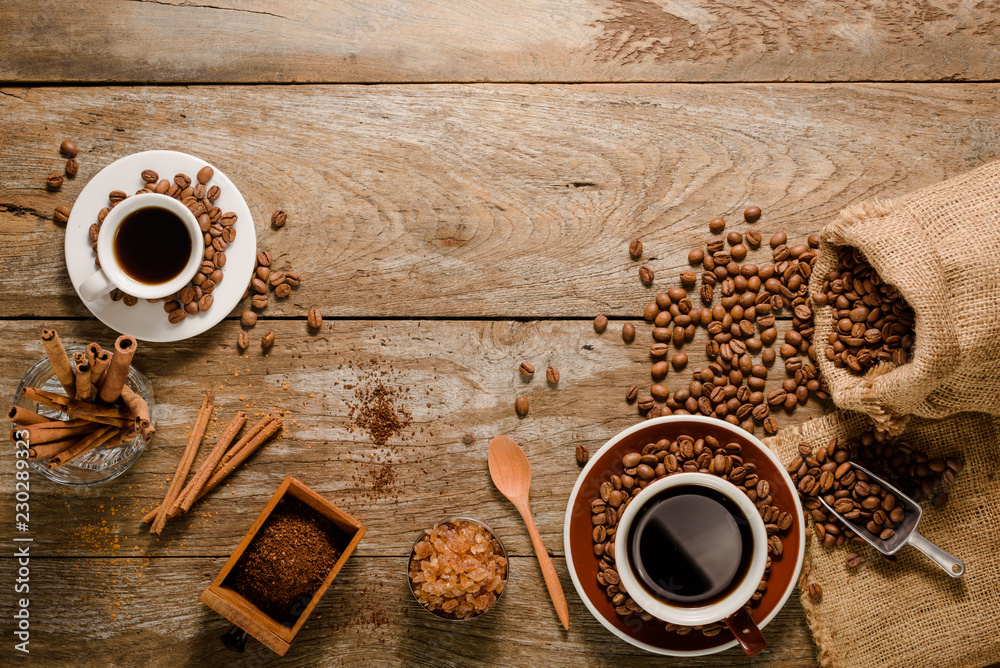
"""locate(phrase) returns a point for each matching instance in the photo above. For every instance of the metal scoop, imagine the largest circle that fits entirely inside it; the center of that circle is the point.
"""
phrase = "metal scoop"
(906, 534)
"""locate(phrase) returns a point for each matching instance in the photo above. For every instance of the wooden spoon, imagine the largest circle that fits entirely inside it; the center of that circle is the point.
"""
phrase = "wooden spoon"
(511, 473)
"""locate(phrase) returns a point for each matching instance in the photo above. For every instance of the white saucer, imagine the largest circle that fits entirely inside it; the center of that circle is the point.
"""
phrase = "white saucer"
(145, 321)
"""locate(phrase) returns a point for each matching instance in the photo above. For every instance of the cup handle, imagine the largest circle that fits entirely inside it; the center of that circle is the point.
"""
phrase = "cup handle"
(96, 286)
(746, 632)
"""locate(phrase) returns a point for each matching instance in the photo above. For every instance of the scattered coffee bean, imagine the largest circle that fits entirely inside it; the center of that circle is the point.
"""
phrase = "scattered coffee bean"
(628, 332)
(646, 274)
(267, 341)
(582, 454)
(72, 167)
(751, 214)
(853, 560)
(552, 375)
(527, 369)
(61, 214)
(279, 218)
(815, 591)
(259, 301)
(679, 361)
(315, 318)
(600, 324)
(716, 225)
(68, 149)
(521, 406)
(631, 393)
(248, 318)
(696, 256)
(283, 291)
(243, 340)
(635, 249)
(54, 181)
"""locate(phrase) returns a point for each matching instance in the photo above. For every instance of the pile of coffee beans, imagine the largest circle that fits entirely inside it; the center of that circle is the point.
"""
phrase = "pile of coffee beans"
(827, 472)
(739, 302)
(688, 453)
(281, 283)
(872, 322)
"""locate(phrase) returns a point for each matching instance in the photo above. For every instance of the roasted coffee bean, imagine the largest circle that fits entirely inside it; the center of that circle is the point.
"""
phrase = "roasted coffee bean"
(853, 560)
(770, 426)
(527, 369)
(182, 180)
(205, 302)
(582, 455)
(72, 167)
(600, 324)
(716, 225)
(68, 149)
(283, 291)
(659, 370)
(679, 361)
(696, 256)
(645, 403)
(61, 214)
(204, 174)
(521, 406)
(259, 301)
(248, 318)
(552, 375)
(646, 275)
(54, 181)
(631, 393)
(628, 332)
(635, 249)
(176, 315)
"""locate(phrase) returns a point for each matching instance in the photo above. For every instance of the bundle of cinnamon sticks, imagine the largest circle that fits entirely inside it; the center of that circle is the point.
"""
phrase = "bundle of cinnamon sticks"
(103, 410)
(223, 459)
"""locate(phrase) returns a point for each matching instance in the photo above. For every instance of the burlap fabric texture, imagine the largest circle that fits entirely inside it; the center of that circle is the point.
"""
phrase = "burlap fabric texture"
(934, 246)
(910, 614)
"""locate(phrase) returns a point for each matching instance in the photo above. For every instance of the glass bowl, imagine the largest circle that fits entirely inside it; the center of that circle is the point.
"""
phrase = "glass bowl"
(100, 464)
(448, 616)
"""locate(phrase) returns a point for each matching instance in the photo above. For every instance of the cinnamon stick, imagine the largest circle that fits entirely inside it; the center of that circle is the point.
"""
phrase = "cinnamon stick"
(23, 416)
(117, 373)
(49, 450)
(83, 386)
(93, 440)
(190, 492)
(92, 351)
(194, 442)
(99, 366)
(249, 436)
(137, 405)
(270, 430)
(80, 409)
(40, 433)
(59, 360)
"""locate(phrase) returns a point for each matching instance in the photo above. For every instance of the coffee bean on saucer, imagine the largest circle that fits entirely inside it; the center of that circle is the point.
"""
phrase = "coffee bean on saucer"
(213, 193)
(279, 218)
(62, 214)
(176, 315)
(72, 167)
(600, 324)
(527, 369)
(54, 181)
(267, 341)
(205, 174)
(68, 149)
(635, 249)
(552, 375)
(116, 196)
(182, 181)
(150, 176)
(205, 302)
(521, 406)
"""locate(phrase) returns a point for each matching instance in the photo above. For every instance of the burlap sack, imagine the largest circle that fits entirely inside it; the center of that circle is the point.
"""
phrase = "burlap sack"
(936, 246)
(911, 614)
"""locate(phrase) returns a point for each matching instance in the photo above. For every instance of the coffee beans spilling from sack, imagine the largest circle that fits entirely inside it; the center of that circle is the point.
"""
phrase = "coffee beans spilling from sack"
(738, 307)
(827, 472)
(872, 322)
(658, 460)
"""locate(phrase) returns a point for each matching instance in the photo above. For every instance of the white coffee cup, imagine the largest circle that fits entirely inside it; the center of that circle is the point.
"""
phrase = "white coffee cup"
(111, 275)
(729, 609)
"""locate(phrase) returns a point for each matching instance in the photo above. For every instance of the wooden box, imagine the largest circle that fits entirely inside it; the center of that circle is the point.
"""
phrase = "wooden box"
(244, 614)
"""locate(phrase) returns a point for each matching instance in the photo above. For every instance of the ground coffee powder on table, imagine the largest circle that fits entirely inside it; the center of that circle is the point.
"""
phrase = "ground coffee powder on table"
(288, 559)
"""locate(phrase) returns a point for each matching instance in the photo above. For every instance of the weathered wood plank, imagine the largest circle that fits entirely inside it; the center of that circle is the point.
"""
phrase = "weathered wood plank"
(462, 377)
(509, 201)
(526, 41)
(133, 612)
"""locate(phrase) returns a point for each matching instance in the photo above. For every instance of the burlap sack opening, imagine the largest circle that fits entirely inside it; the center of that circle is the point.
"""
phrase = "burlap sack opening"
(910, 613)
(934, 246)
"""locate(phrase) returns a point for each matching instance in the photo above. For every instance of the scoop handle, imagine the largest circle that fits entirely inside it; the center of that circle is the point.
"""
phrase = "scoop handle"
(949, 563)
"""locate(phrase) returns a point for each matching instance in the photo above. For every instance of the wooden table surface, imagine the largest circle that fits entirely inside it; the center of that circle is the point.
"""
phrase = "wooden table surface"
(462, 180)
